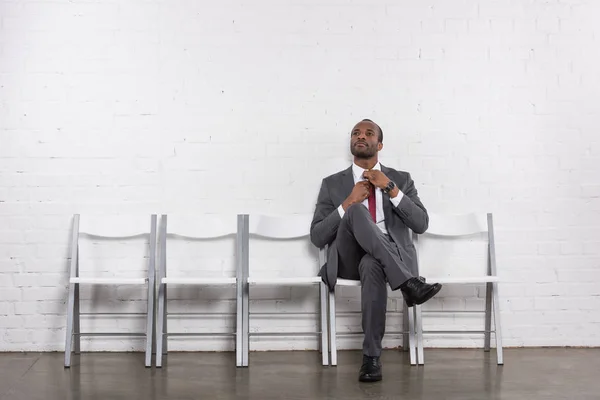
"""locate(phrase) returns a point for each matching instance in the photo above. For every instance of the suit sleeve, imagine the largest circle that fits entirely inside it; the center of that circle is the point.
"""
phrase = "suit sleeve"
(411, 210)
(326, 219)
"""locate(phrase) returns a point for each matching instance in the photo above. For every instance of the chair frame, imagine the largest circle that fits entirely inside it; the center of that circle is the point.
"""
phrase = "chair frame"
(492, 304)
(73, 332)
(245, 261)
(162, 333)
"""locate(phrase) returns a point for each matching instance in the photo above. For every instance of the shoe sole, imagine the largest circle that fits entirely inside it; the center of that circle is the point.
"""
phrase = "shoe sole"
(371, 379)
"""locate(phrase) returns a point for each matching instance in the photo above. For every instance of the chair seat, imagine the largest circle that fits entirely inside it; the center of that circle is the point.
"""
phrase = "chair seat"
(310, 280)
(347, 282)
(199, 281)
(477, 279)
(109, 281)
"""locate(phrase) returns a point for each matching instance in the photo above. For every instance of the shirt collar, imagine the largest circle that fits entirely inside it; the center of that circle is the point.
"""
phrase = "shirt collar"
(358, 171)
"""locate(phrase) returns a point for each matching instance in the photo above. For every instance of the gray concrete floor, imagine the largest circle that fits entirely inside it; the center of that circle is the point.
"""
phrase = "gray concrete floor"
(449, 374)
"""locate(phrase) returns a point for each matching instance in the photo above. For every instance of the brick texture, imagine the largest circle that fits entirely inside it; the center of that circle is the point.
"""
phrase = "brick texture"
(154, 106)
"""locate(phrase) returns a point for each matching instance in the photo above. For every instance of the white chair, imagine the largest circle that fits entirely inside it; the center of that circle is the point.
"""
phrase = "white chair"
(408, 333)
(207, 227)
(281, 228)
(437, 267)
(111, 228)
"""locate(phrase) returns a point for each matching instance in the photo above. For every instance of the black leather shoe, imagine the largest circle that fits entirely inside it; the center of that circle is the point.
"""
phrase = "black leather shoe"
(370, 370)
(416, 291)
(408, 301)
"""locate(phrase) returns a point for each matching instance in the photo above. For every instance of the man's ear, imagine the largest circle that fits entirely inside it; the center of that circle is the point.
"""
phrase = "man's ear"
(379, 146)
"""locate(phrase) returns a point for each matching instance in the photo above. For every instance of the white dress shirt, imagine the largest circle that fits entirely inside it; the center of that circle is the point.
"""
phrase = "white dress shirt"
(357, 173)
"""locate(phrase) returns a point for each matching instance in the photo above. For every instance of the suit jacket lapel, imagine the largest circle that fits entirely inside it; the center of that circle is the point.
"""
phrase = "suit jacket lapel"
(347, 181)
(387, 204)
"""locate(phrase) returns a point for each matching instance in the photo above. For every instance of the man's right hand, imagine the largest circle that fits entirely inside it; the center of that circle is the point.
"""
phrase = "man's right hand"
(359, 194)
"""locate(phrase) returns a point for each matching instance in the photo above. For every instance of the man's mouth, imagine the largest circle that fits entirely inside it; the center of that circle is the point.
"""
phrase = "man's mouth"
(360, 144)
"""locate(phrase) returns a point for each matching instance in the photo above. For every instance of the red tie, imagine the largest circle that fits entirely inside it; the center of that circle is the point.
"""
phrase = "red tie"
(372, 204)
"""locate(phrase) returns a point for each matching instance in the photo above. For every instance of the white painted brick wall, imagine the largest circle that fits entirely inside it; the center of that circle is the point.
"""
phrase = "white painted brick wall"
(190, 107)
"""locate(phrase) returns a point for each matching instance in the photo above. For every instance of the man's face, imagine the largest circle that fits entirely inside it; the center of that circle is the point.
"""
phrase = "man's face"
(364, 140)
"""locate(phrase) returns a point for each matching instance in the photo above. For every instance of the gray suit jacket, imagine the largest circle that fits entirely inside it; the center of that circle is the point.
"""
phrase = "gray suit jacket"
(410, 213)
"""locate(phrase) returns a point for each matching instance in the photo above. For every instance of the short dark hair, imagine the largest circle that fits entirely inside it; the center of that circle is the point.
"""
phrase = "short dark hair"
(380, 130)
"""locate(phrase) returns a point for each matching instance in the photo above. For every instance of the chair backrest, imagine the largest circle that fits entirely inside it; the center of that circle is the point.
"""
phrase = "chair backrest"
(114, 226)
(280, 227)
(457, 225)
(198, 245)
(200, 227)
(456, 246)
(114, 245)
(292, 256)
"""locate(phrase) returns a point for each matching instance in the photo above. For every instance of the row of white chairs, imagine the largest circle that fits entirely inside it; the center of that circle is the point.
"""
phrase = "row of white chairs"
(243, 227)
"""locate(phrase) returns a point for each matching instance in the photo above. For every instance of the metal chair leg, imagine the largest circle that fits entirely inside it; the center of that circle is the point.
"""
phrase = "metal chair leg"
(150, 314)
(405, 329)
(238, 327)
(243, 254)
(160, 330)
(149, 326)
(332, 328)
(69, 333)
(324, 324)
(494, 286)
(497, 324)
(73, 273)
(77, 322)
(411, 336)
(419, 330)
(488, 317)
(161, 325)
(165, 346)
(245, 325)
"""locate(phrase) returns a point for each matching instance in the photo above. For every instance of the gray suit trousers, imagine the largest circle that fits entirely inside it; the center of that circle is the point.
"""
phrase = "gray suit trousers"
(368, 254)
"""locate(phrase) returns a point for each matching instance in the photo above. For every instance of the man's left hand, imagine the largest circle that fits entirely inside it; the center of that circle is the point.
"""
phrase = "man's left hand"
(377, 178)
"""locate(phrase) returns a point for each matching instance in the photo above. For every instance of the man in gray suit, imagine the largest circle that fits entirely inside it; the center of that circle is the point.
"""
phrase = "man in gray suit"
(364, 214)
